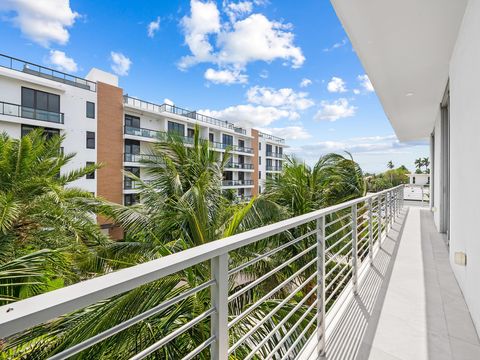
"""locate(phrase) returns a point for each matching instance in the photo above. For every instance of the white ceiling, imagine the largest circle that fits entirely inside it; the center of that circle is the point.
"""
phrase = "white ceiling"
(405, 47)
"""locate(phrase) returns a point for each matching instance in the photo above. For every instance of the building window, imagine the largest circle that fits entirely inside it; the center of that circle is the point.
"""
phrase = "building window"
(47, 132)
(259, 160)
(241, 143)
(259, 174)
(131, 199)
(280, 150)
(40, 100)
(259, 189)
(269, 148)
(176, 128)
(413, 180)
(190, 133)
(90, 140)
(259, 146)
(227, 139)
(132, 121)
(211, 137)
(241, 176)
(90, 175)
(90, 110)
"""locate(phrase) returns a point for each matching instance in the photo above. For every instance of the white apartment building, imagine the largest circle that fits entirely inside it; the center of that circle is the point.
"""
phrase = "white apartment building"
(102, 125)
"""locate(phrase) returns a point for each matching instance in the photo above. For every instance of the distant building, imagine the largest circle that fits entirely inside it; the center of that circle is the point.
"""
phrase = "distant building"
(419, 179)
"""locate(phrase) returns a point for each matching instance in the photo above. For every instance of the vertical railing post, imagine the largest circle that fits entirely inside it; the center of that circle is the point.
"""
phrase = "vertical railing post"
(219, 320)
(354, 250)
(394, 205)
(379, 216)
(321, 286)
(370, 231)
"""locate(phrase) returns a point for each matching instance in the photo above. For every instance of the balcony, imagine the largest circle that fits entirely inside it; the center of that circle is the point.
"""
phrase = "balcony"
(129, 184)
(139, 157)
(372, 280)
(162, 135)
(237, 182)
(274, 154)
(235, 165)
(172, 109)
(272, 138)
(30, 113)
(46, 73)
(273, 168)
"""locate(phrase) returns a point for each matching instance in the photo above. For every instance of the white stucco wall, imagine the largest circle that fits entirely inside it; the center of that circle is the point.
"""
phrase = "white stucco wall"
(465, 152)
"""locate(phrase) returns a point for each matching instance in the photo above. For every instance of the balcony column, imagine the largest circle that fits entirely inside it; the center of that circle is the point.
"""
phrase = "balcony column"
(321, 286)
(354, 250)
(219, 297)
(370, 231)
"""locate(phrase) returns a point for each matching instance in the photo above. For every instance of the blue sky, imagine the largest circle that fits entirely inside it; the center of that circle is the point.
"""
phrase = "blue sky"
(282, 66)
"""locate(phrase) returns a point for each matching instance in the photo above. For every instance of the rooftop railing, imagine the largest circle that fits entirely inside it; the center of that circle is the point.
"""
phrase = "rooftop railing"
(272, 137)
(309, 262)
(141, 104)
(30, 113)
(46, 73)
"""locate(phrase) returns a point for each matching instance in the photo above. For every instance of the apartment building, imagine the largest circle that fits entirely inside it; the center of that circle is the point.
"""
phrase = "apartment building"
(103, 125)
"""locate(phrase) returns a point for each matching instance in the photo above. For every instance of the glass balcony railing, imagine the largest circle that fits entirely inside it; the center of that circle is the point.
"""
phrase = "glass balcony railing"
(237, 182)
(271, 137)
(46, 73)
(129, 184)
(30, 113)
(275, 154)
(139, 157)
(161, 135)
(273, 168)
(234, 165)
(172, 109)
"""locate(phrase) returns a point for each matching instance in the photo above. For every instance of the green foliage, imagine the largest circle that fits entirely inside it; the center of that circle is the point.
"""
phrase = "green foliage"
(388, 179)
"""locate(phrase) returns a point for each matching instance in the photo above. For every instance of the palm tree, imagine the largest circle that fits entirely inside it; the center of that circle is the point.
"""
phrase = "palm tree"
(418, 165)
(426, 163)
(390, 165)
(41, 218)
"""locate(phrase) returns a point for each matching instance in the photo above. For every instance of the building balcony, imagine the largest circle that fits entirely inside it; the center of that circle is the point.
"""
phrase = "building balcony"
(237, 183)
(365, 279)
(46, 73)
(273, 138)
(274, 155)
(153, 135)
(129, 184)
(139, 158)
(235, 165)
(30, 113)
(273, 168)
(172, 109)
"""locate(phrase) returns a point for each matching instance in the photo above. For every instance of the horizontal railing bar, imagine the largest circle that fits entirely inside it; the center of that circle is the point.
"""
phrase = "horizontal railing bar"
(271, 252)
(338, 230)
(363, 223)
(39, 309)
(126, 324)
(362, 231)
(336, 266)
(332, 282)
(270, 314)
(293, 328)
(270, 293)
(339, 285)
(338, 252)
(339, 219)
(284, 320)
(339, 241)
(165, 340)
(199, 348)
(300, 337)
(271, 272)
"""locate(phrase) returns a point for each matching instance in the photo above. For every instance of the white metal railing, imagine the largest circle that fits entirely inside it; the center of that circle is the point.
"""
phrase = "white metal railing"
(308, 261)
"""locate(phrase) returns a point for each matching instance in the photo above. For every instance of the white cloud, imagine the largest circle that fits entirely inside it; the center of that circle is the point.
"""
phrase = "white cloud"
(305, 82)
(335, 110)
(236, 10)
(336, 45)
(264, 74)
(168, 101)
(285, 98)
(61, 61)
(153, 27)
(120, 63)
(356, 91)
(225, 76)
(365, 82)
(336, 85)
(251, 115)
(42, 21)
(289, 132)
(204, 20)
(233, 45)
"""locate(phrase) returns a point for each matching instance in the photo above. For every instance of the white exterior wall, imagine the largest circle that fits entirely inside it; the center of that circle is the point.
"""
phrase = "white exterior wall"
(465, 151)
(72, 104)
(437, 173)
